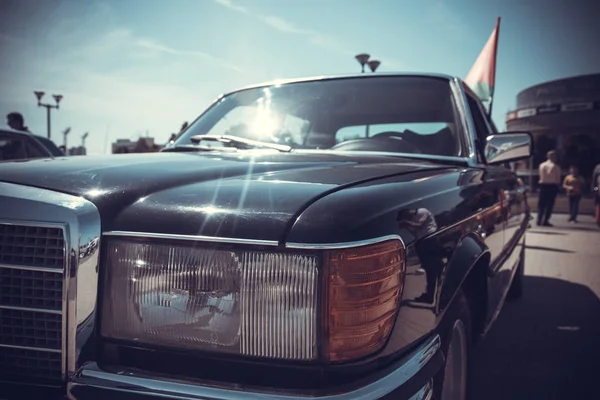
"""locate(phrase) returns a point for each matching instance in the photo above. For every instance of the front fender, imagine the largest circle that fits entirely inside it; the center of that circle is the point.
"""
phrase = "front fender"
(469, 250)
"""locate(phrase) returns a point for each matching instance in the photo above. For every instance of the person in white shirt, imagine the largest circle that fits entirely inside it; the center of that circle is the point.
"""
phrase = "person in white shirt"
(550, 181)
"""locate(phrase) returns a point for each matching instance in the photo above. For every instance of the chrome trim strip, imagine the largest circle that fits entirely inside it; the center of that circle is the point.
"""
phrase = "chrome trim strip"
(134, 382)
(197, 238)
(30, 268)
(342, 245)
(466, 119)
(286, 81)
(80, 221)
(9, 346)
(464, 220)
(42, 310)
(41, 224)
(66, 308)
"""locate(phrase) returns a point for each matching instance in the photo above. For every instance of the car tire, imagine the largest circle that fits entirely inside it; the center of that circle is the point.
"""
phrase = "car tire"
(516, 288)
(452, 382)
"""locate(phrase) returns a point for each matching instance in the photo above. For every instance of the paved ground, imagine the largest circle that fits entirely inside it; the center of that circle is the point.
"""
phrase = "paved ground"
(586, 206)
(547, 344)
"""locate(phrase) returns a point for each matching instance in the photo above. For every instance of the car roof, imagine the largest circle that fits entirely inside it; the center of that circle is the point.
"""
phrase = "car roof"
(346, 76)
(23, 133)
(15, 132)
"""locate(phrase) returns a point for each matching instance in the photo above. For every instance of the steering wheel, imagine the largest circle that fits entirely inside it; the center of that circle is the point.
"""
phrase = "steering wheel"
(399, 135)
(388, 134)
(387, 144)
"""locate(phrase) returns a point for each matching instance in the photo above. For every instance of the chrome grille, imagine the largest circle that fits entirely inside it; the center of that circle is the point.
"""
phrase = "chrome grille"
(25, 245)
(32, 264)
(30, 289)
(30, 366)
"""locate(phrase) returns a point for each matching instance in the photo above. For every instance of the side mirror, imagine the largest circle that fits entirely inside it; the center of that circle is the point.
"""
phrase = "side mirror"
(510, 146)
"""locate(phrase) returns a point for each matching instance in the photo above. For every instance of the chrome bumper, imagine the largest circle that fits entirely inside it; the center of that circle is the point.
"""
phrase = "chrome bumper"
(92, 382)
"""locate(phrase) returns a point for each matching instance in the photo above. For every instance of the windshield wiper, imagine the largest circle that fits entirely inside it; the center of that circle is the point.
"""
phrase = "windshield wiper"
(183, 148)
(240, 142)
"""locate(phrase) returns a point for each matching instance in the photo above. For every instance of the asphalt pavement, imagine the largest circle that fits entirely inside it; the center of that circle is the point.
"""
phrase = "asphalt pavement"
(546, 345)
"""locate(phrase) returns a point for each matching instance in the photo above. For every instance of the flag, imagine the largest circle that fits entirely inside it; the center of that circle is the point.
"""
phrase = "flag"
(482, 77)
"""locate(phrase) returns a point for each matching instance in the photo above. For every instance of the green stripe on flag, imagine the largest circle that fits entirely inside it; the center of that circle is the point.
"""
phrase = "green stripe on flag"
(483, 90)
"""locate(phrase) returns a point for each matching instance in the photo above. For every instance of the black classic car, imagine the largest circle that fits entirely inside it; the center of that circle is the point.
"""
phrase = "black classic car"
(334, 238)
(21, 145)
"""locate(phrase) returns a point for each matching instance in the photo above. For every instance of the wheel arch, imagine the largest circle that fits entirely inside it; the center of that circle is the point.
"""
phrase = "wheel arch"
(468, 270)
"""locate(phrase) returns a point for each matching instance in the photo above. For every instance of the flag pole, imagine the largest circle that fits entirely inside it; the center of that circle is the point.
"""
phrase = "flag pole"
(495, 62)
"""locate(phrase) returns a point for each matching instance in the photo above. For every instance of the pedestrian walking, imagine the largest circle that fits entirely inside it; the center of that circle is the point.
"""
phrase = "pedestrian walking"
(573, 184)
(596, 191)
(549, 184)
(16, 121)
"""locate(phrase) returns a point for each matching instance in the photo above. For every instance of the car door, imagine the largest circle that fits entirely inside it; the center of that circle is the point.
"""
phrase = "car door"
(498, 181)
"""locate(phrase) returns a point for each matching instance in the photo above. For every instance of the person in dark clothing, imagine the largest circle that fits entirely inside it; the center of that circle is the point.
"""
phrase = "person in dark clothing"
(550, 182)
(16, 121)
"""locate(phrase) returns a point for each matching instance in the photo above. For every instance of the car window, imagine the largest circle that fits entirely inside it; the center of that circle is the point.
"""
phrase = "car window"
(12, 147)
(50, 146)
(404, 114)
(34, 150)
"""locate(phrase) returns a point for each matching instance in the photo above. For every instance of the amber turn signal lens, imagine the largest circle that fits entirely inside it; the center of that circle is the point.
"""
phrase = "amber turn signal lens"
(361, 298)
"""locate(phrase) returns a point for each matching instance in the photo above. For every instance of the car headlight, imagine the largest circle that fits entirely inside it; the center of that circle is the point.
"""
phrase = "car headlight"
(254, 303)
(246, 302)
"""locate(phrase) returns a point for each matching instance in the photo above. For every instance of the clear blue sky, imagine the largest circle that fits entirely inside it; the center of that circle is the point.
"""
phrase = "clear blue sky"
(130, 66)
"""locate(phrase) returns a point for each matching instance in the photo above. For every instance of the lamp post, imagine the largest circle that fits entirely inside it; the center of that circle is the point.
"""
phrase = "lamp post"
(374, 64)
(362, 59)
(65, 133)
(83, 137)
(57, 99)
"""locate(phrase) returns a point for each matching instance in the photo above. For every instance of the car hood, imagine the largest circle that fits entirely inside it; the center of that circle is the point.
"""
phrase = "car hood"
(246, 195)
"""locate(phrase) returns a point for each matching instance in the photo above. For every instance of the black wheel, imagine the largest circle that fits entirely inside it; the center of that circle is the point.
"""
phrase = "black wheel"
(452, 382)
(516, 288)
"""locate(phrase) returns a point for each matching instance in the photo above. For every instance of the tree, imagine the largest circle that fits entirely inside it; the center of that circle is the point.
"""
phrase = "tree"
(183, 126)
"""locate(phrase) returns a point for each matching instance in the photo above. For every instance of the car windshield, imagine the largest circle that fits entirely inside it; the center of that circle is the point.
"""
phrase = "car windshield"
(403, 114)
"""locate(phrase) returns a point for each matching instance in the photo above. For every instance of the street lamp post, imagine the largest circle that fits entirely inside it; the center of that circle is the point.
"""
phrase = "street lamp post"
(362, 59)
(374, 64)
(65, 133)
(57, 99)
